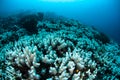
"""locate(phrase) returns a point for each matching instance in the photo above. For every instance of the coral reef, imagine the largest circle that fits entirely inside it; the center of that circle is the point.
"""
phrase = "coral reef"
(60, 49)
(29, 22)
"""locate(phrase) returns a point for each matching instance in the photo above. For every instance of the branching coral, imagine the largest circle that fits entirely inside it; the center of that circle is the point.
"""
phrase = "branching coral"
(62, 50)
(22, 64)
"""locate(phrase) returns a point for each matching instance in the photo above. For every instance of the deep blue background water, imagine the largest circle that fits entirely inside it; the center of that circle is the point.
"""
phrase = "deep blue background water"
(103, 14)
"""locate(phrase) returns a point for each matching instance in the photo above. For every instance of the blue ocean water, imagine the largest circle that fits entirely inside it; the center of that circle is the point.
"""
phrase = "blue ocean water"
(102, 14)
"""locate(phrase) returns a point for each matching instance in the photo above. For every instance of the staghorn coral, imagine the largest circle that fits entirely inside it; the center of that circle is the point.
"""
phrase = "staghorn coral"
(71, 64)
(62, 50)
(74, 66)
(22, 64)
(60, 58)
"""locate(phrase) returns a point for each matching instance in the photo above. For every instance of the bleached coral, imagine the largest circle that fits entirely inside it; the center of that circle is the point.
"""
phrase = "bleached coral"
(22, 63)
(63, 63)
(65, 50)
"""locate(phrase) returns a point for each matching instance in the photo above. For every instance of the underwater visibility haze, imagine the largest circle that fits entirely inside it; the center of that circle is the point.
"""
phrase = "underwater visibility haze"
(102, 14)
(59, 40)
